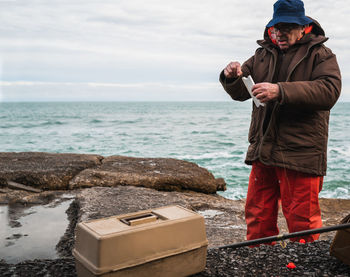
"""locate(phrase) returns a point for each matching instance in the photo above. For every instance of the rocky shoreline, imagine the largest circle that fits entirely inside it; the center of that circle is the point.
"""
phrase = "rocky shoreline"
(224, 218)
(310, 260)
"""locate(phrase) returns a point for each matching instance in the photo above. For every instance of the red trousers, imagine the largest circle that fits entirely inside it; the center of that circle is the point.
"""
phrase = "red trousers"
(298, 193)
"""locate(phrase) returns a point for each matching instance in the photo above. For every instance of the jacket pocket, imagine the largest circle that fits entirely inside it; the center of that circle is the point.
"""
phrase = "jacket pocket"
(301, 131)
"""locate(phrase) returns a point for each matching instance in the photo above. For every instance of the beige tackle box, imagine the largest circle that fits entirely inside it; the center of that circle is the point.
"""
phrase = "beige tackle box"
(340, 247)
(167, 241)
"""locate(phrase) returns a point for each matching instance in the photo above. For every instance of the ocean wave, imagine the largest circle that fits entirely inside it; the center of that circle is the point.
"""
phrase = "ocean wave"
(29, 125)
(42, 124)
(95, 121)
(234, 193)
(126, 121)
(224, 143)
(55, 122)
(206, 156)
(8, 126)
(340, 193)
(206, 132)
(236, 163)
(226, 118)
(340, 151)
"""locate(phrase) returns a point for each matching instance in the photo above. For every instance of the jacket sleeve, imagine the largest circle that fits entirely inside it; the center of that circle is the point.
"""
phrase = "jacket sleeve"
(322, 91)
(235, 86)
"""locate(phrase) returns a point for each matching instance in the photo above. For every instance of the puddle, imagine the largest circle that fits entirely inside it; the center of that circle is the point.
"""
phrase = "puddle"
(32, 232)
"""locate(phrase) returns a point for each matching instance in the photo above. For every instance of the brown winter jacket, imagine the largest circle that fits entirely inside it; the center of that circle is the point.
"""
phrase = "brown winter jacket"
(296, 134)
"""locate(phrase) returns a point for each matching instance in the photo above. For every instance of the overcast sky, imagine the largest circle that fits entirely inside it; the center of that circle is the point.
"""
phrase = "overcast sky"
(68, 50)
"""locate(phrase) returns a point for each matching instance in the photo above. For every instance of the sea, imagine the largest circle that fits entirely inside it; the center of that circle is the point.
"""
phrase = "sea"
(210, 134)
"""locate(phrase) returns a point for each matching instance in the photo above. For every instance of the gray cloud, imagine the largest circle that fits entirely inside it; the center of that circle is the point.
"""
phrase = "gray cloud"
(154, 42)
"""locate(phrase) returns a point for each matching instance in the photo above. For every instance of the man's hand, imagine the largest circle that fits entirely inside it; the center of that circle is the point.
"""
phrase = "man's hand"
(266, 92)
(233, 70)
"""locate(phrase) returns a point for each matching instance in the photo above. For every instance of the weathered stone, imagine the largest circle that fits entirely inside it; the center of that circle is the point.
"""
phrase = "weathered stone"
(224, 218)
(224, 224)
(44, 170)
(63, 171)
(157, 173)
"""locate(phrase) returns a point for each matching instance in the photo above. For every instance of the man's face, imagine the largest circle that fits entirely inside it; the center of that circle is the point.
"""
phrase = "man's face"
(287, 34)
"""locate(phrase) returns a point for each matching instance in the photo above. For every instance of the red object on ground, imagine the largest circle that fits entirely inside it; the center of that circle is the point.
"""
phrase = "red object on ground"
(298, 193)
(302, 241)
(291, 265)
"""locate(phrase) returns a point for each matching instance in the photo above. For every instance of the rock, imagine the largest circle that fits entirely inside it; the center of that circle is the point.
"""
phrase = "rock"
(224, 221)
(157, 173)
(226, 226)
(62, 171)
(44, 170)
(316, 261)
(28, 198)
(224, 218)
(220, 263)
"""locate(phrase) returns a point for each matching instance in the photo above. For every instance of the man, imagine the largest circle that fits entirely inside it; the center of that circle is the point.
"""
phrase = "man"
(298, 79)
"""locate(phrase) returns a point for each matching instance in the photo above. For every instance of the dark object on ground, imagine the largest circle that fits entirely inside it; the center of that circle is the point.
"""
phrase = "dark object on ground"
(14, 185)
(287, 236)
(311, 259)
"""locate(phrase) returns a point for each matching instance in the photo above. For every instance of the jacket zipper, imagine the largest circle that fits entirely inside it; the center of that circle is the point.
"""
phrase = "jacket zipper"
(273, 110)
(275, 106)
(307, 53)
(290, 73)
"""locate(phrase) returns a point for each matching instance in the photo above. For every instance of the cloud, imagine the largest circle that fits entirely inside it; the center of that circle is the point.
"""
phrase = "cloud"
(164, 42)
(73, 91)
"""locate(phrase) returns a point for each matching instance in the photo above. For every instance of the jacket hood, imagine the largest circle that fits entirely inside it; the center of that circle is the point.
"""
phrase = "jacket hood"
(317, 30)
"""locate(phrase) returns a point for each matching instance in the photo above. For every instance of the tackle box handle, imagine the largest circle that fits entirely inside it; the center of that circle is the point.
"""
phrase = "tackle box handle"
(139, 219)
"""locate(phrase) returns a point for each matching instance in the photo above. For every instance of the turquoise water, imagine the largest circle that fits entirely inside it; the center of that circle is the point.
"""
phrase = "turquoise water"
(213, 135)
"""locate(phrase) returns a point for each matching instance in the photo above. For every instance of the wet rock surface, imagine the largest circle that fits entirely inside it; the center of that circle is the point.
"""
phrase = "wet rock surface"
(66, 244)
(71, 171)
(225, 224)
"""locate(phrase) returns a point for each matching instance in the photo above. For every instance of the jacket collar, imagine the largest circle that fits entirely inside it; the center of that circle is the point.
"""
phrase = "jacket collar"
(309, 39)
(317, 36)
